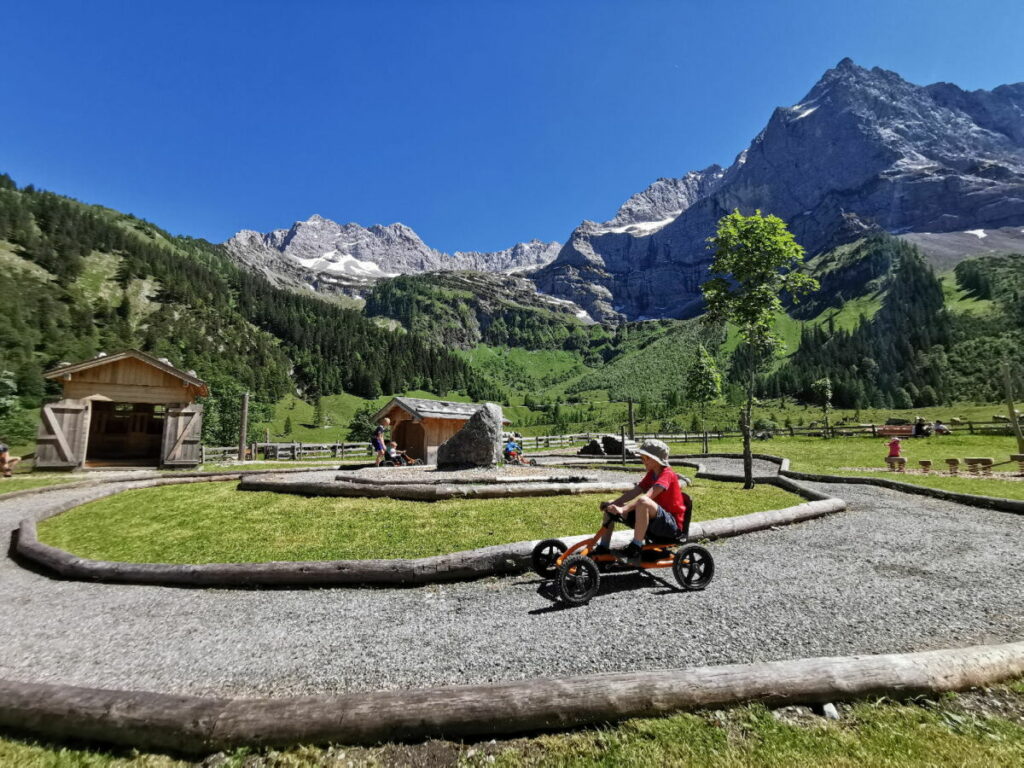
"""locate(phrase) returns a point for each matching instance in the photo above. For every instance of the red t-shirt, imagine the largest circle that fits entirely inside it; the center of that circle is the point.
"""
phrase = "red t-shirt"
(671, 498)
(894, 449)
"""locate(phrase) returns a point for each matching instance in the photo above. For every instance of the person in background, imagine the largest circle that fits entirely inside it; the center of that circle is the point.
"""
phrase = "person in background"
(399, 457)
(379, 438)
(7, 462)
(894, 448)
(941, 429)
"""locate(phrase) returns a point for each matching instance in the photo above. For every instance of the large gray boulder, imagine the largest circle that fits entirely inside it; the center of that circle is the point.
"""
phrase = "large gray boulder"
(477, 444)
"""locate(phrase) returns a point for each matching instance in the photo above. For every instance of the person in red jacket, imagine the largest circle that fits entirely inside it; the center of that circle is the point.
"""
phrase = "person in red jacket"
(655, 505)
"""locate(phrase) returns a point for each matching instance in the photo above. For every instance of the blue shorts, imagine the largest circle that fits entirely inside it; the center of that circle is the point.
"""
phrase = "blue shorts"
(662, 525)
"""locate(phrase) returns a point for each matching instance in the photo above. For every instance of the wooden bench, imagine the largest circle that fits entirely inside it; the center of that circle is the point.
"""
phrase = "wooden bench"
(896, 463)
(926, 465)
(895, 430)
(954, 466)
(1019, 458)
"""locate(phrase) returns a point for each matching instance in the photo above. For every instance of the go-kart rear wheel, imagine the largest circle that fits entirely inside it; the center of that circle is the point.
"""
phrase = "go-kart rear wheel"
(578, 580)
(693, 567)
(545, 557)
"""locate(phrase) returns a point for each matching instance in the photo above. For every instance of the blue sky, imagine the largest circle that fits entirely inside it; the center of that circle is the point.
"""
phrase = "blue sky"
(479, 124)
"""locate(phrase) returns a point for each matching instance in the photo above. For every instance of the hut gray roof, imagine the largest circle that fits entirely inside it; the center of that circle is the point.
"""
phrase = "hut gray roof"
(430, 409)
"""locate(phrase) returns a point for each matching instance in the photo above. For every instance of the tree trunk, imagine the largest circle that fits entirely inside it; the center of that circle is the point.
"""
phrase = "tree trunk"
(748, 459)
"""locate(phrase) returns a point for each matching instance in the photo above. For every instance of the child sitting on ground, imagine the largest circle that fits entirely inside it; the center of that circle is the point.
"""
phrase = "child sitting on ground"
(7, 462)
(655, 505)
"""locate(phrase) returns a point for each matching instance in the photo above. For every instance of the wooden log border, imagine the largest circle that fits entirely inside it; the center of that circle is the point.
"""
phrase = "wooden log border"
(968, 499)
(201, 725)
(499, 560)
(433, 491)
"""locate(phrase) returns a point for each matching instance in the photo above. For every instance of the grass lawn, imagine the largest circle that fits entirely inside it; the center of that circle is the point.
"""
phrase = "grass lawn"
(215, 523)
(951, 730)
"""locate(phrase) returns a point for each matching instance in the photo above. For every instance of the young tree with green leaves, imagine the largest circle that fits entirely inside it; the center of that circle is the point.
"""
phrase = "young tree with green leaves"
(362, 424)
(703, 386)
(823, 390)
(757, 261)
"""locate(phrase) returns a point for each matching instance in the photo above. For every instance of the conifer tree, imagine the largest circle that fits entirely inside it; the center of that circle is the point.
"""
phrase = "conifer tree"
(703, 387)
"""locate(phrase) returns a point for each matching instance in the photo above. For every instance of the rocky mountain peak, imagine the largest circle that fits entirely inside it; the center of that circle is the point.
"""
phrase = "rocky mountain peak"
(864, 149)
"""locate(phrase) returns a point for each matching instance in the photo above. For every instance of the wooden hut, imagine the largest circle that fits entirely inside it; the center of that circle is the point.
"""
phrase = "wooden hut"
(420, 426)
(128, 409)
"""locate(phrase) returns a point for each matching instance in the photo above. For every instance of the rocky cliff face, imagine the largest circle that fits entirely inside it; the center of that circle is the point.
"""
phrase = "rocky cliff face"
(664, 200)
(863, 150)
(348, 258)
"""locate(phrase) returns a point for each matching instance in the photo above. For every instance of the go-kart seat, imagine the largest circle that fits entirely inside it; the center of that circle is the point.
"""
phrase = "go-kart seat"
(683, 535)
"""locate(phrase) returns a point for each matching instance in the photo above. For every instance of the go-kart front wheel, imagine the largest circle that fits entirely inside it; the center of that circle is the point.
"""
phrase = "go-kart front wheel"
(578, 580)
(693, 567)
(545, 557)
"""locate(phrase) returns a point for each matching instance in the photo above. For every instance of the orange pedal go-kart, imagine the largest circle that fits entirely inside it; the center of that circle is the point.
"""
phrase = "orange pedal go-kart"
(577, 572)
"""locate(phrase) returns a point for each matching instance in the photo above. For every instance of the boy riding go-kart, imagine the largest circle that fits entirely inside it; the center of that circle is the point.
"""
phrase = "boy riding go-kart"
(658, 512)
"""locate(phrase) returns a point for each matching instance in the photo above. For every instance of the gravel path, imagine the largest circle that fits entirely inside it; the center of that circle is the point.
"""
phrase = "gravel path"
(895, 573)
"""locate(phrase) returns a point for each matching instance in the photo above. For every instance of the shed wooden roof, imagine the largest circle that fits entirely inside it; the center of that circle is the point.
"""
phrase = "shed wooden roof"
(430, 409)
(161, 364)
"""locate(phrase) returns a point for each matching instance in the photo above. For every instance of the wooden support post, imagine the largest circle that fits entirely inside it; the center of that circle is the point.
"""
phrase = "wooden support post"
(623, 430)
(1019, 458)
(1014, 421)
(632, 423)
(243, 428)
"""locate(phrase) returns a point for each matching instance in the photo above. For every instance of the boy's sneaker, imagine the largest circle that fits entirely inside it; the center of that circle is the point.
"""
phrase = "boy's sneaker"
(600, 549)
(630, 552)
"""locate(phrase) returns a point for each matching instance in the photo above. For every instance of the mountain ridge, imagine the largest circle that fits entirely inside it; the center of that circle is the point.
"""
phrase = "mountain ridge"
(329, 257)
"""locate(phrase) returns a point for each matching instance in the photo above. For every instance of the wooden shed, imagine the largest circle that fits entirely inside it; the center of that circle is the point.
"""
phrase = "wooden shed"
(420, 426)
(128, 409)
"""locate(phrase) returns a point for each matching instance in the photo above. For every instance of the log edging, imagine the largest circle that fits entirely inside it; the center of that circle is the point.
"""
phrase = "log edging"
(968, 499)
(499, 560)
(201, 725)
(432, 491)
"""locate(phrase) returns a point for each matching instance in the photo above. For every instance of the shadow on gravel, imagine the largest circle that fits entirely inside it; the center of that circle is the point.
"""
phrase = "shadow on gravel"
(24, 563)
(625, 581)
